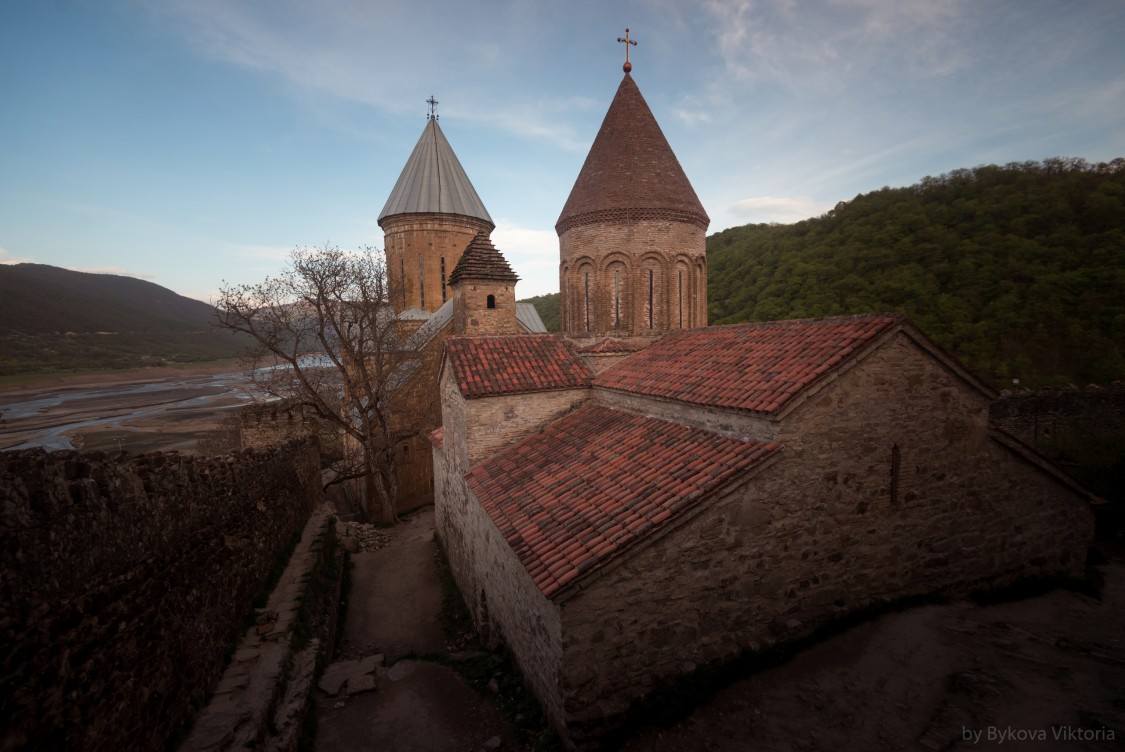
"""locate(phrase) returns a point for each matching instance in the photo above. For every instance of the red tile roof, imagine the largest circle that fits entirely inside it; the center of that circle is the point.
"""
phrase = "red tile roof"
(614, 345)
(596, 482)
(755, 367)
(490, 366)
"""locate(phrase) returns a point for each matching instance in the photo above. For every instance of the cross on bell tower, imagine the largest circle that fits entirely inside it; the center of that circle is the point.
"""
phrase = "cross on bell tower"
(628, 43)
(433, 103)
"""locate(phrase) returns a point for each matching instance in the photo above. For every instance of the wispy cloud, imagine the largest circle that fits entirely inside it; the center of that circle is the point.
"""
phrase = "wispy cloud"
(377, 54)
(818, 47)
(777, 209)
(692, 117)
(533, 254)
(511, 239)
(7, 258)
(268, 252)
(116, 270)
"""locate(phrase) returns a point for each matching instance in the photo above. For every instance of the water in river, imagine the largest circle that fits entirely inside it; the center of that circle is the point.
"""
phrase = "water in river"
(121, 414)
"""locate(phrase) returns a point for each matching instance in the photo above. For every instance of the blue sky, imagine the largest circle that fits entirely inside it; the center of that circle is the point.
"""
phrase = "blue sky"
(192, 142)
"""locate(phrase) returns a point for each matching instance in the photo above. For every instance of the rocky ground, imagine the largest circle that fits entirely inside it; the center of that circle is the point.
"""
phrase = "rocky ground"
(1043, 673)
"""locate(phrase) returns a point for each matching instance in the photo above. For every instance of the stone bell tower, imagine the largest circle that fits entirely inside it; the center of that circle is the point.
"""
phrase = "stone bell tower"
(484, 291)
(632, 233)
(432, 214)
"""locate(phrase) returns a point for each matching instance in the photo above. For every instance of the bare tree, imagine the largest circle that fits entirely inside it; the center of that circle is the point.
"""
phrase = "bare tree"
(325, 336)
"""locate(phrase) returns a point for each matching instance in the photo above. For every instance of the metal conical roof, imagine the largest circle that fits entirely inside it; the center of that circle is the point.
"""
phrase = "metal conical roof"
(631, 172)
(433, 182)
(481, 260)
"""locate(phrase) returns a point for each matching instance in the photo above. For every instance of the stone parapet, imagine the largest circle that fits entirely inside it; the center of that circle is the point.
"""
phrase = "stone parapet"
(124, 579)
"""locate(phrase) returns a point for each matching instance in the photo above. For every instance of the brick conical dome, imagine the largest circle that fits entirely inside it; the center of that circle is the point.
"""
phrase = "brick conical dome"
(631, 172)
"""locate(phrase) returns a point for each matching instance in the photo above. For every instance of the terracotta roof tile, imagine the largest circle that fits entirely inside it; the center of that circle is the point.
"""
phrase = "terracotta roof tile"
(754, 367)
(613, 345)
(491, 366)
(481, 260)
(596, 482)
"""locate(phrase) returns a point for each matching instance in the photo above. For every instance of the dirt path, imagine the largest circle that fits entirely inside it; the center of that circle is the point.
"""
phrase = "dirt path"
(419, 706)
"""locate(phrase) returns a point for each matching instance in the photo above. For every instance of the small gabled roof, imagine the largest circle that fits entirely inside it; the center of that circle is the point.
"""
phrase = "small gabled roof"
(433, 182)
(515, 364)
(481, 260)
(631, 173)
(597, 482)
(758, 367)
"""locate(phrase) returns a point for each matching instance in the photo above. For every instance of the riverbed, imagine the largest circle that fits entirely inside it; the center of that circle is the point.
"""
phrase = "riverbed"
(173, 412)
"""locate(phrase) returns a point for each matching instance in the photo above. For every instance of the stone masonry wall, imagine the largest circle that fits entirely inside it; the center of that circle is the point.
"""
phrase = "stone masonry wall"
(618, 257)
(473, 317)
(495, 423)
(126, 580)
(432, 242)
(825, 530)
(496, 587)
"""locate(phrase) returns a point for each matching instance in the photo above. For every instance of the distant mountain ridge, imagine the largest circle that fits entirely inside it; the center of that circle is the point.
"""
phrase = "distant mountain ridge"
(54, 319)
(39, 299)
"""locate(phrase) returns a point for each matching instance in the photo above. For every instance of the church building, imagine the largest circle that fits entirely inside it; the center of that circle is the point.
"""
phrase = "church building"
(643, 495)
(444, 277)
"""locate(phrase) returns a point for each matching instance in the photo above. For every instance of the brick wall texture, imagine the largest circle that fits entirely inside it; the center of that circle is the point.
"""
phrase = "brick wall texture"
(126, 581)
(888, 484)
(472, 315)
(432, 243)
(632, 278)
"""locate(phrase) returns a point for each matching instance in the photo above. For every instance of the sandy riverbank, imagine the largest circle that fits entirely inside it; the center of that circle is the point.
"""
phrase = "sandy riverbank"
(138, 410)
(39, 383)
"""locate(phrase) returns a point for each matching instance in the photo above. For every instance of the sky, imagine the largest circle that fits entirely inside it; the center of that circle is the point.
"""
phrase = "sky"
(195, 143)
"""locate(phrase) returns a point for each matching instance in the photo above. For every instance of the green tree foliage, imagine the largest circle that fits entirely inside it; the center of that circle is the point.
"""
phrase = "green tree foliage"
(1018, 270)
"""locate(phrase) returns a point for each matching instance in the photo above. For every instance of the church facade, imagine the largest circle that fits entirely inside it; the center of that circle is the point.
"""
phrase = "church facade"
(643, 496)
(444, 277)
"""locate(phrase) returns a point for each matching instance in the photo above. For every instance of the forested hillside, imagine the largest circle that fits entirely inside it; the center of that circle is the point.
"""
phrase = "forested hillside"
(1019, 270)
(54, 319)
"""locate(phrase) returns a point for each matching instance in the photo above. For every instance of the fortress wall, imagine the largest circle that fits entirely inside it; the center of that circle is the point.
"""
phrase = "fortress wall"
(126, 580)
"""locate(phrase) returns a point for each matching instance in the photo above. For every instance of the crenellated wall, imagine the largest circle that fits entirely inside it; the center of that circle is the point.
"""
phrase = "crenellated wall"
(125, 581)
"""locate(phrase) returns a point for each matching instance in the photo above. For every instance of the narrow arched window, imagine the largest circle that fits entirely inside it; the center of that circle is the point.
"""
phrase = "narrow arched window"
(650, 296)
(586, 301)
(491, 302)
(421, 283)
(616, 299)
(896, 462)
(443, 279)
(680, 297)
